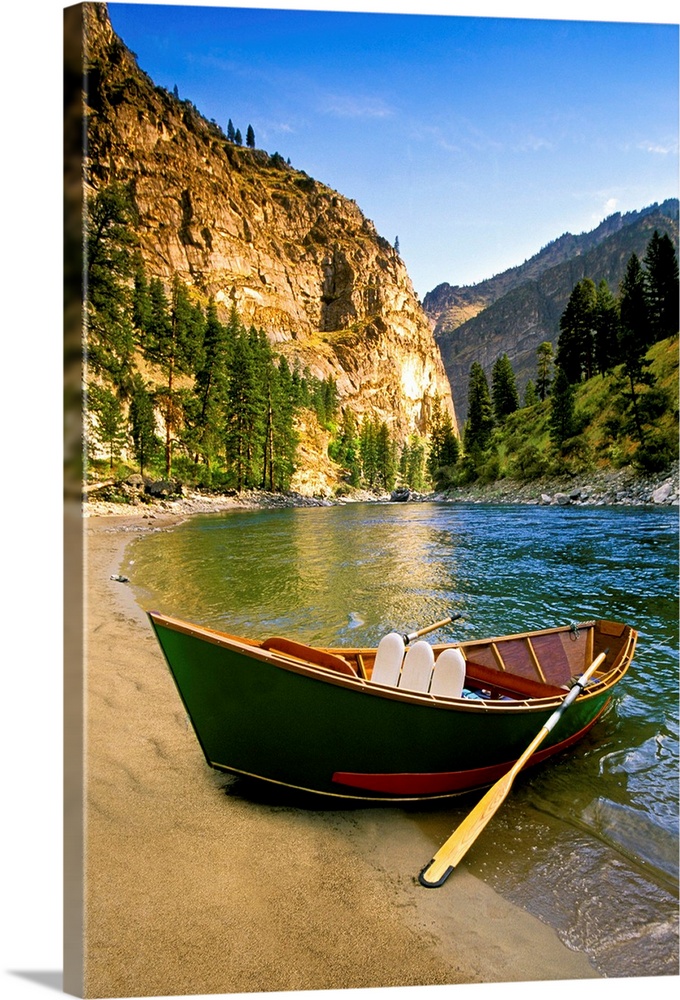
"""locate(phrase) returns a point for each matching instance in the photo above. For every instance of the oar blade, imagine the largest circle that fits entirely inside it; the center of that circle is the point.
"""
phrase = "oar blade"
(447, 857)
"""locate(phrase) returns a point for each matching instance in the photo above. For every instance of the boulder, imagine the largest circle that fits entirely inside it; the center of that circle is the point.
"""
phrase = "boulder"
(164, 488)
(400, 495)
(663, 493)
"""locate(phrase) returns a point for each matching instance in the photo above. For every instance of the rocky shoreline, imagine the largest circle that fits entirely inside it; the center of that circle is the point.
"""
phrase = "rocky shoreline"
(621, 487)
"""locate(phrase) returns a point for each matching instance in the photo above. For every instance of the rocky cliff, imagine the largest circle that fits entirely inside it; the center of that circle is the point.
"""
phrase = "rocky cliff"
(296, 258)
(515, 311)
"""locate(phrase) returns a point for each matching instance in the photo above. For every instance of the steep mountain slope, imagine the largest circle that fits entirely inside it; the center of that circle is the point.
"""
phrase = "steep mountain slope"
(448, 306)
(296, 258)
(521, 308)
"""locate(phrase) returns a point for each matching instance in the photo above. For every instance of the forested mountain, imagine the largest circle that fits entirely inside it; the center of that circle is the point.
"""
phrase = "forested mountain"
(514, 312)
(246, 234)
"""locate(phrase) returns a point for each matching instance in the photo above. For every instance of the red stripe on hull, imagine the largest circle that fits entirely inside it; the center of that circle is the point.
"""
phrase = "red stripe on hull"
(440, 782)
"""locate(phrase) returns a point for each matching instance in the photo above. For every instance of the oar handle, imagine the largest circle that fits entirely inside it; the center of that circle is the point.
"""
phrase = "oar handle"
(430, 628)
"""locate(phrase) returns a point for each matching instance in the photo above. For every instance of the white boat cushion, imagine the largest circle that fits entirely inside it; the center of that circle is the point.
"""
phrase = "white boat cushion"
(417, 669)
(388, 659)
(449, 674)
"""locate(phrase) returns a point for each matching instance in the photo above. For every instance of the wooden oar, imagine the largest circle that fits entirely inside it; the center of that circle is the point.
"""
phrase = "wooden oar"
(430, 628)
(447, 857)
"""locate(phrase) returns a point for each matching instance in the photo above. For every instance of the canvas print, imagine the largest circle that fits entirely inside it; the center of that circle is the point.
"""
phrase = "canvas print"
(371, 509)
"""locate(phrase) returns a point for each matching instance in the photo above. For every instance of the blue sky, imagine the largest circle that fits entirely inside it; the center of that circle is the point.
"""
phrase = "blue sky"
(475, 140)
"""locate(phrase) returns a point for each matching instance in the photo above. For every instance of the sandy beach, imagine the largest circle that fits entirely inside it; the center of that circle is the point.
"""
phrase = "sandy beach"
(193, 887)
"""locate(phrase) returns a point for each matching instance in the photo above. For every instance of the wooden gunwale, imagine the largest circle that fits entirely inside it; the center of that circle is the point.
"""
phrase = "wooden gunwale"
(252, 649)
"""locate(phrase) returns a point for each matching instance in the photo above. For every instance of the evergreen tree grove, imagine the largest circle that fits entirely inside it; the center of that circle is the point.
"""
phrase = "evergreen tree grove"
(412, 462)
(444, 445)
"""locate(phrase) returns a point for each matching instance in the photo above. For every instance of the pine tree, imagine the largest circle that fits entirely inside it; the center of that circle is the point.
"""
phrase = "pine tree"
(263, 405)
(503, 389)
(238, 138)
(385, 457)
(561, 408)
(661, 285)
(210, 388)
(576, 343)
(243, 414)
(544, 369)
(172, 344)
(231, 131)
(530, 394)
(412, 462)
(143, 424)
(347, 450)
(141, 301)
(250, 137)
(368, 452)
(606, 329)
(284, 436)
(479, 424)
(330, 398)
(109, 256)
(444, 447)
(107, 420)
(634, 338)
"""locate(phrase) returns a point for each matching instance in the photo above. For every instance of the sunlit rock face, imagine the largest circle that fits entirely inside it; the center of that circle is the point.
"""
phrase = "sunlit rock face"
(295, 258)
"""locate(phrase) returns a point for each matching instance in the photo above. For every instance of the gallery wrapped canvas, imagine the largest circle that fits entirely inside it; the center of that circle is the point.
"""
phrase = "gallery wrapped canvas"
(370, 454)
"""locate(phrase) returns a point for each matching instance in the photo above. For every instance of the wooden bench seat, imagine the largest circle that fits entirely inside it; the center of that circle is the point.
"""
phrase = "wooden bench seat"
(308, 654)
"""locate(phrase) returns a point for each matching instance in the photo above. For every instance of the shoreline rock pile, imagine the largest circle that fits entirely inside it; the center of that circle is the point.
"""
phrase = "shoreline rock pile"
(620, 487)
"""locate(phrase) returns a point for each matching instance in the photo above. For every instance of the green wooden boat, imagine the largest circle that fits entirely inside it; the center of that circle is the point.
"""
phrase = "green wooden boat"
(397, 723)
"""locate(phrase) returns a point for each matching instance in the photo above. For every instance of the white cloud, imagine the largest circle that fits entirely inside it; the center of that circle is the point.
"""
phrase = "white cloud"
(534, 144)
(353, 106)
(660, 148)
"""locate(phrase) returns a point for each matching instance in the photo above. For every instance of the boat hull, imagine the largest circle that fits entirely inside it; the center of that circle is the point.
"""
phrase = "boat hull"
(328, 734)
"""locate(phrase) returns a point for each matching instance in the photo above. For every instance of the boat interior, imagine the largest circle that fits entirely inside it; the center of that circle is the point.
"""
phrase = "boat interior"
(521, 667)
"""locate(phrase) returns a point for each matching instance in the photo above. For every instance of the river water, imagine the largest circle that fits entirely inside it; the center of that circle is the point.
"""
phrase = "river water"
(588, 843)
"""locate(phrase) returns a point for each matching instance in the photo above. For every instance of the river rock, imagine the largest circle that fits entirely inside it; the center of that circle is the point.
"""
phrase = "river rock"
(663, 493)
(163, 488)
